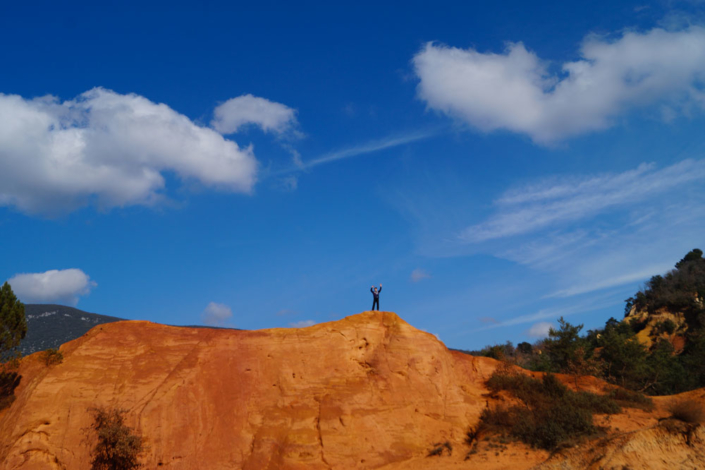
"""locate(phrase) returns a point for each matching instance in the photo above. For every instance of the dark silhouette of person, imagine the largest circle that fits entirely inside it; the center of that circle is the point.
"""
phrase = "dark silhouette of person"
(375, 293)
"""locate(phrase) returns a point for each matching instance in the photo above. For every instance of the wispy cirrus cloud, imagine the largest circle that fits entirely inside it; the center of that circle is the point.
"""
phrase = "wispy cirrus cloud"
(597, 232)
(581, 233)
(553, 313)
(371, 147)
(556, 201)
(366, 148)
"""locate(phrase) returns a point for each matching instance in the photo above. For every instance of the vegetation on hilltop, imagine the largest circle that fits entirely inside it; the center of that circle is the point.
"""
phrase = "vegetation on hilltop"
(13, 328)
(615, 353)
(681, 290)
(547, 414)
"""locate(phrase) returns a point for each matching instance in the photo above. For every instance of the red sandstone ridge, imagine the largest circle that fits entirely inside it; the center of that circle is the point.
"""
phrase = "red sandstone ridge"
(368, 391)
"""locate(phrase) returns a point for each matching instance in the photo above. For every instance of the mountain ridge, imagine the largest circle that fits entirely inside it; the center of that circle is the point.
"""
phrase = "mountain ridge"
(51, 325)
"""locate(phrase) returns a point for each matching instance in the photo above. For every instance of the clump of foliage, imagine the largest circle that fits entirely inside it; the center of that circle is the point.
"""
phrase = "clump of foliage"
(666, 326)
(681, 289)
(550, 414)
(687, 410)
(52, 356)
(631, 399)
(13, 329)
(615, 354)
(13, 324)
(118, 446)
(9, 380)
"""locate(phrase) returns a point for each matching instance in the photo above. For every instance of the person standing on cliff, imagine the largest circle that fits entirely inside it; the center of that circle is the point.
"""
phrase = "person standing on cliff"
(375, 294)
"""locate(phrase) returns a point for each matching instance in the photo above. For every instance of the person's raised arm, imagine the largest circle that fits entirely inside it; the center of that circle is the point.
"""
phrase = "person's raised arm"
(380, 289)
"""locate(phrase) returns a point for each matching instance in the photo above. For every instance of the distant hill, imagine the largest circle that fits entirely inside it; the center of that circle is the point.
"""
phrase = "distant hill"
(50, 326)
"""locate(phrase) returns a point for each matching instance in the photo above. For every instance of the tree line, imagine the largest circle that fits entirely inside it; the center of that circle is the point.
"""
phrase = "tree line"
(615, 354)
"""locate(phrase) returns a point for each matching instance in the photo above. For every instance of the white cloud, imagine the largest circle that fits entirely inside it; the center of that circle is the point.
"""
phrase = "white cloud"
(60, 286)
(108, 149)
(270, 116)
(302, 324)
(216, 314)
(515, 91)
(539, 330)
(419, 274)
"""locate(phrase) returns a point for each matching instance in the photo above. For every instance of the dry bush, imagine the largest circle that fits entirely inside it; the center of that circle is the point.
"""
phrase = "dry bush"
(687, 410)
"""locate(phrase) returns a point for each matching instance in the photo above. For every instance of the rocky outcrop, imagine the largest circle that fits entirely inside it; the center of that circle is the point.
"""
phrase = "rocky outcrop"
(651, 327)
(362, 392)
(368, 391)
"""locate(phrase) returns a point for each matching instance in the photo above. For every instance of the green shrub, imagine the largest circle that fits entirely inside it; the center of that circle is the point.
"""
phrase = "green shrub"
(8, 383)
(666, 326)
(502, 416)
(551, 413)
(687, 410)
(631, 399)
(52, 357)
(117, 447)
(529, 390)
(600, 404)
(13, 322)
(552, 426)
(495, 352)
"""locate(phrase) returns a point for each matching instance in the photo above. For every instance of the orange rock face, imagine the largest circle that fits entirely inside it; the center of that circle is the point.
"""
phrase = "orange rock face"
(368, 391)
(362, 392)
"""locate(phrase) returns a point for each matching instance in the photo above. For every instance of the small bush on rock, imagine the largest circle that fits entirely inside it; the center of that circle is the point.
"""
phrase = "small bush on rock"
(118, 447)
(52, 357)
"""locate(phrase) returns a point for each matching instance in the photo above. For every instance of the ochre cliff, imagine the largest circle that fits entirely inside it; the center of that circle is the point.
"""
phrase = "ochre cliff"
(368, 391)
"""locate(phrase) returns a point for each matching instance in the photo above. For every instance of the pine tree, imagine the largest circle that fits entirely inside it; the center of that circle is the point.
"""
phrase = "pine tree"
(13, 324)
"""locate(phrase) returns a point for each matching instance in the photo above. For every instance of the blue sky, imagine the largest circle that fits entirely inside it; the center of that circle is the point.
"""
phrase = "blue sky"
(493, 166)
